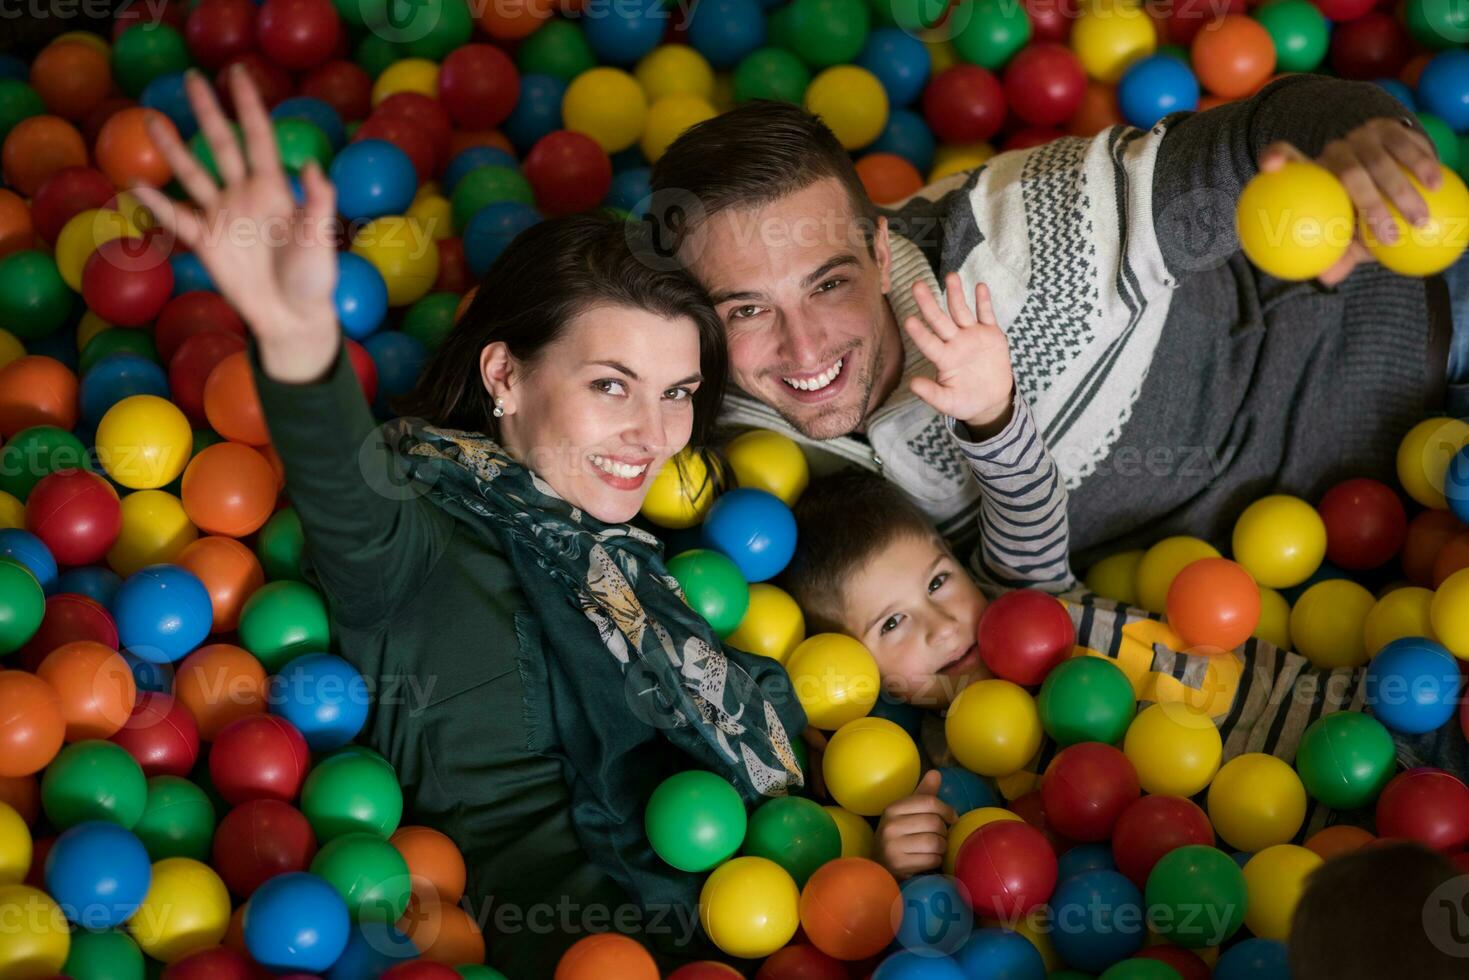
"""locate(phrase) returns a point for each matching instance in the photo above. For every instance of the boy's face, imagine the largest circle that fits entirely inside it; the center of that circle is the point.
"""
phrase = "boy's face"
(917, 610)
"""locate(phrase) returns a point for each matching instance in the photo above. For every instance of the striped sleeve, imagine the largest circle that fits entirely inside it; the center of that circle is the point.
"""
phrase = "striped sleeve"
(1024, 536)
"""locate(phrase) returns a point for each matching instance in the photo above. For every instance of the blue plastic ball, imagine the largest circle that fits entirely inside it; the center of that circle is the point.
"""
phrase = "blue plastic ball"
(537, 111)
(1413, 685)
(324, 697)
(491, 231)
(373, 178)
(23, 547)
(361, 296)
(999, 955)
(13, 67)
(166, 95)
(98, 872)
(316, 112)
(162, 613)
(908, 136)
(398, 357)
(372, 948)
(115, 377)
(630, 188)
(1456, 485)
(1083, 858)
(296, 921)
(1154, 86)
(725, 31)
(625, 32)
(1443, 88)
(964, 790)
(1253, 959)
(1097, 919)
(906, 965)
(1398, 90)
(936, 918)
(468, 159)
(754, 529)
(189, 274)
(150, 676)
(1241, 858)
(900, 61)
(93, 581)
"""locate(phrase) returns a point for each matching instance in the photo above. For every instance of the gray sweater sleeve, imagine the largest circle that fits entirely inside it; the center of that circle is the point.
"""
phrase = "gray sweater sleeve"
(1206, 158)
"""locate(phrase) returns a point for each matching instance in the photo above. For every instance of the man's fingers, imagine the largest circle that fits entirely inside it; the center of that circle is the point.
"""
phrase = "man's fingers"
(1277, 155)
(1391, 180)
(1362, 189)
(1417, 154)
(216, 129)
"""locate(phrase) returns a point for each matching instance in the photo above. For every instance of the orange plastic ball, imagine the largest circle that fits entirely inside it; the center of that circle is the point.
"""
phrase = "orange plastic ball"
(1215, 603)
(36, 148)
(434, 862)
(1452, 557)
(231, 403)
(228, 488)
(24, 794)
(229, 570)
(1098, 110)
(463, 139)
(36, 390)
(220, 683)
(95, 687)
(71, 78)
(847, 908)
(1428, 534)
(888, 177)
(1339, 839)
(1233, 57)
(606, 954)
(126, 153)
(16, 230)
(31, 724)
(514, 19)
(442, 932)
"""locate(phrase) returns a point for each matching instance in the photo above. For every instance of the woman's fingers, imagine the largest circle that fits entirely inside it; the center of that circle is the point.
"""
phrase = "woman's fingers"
(938, 320)
(259, 134)
(191, 175)
(183, 223)
(216, 129)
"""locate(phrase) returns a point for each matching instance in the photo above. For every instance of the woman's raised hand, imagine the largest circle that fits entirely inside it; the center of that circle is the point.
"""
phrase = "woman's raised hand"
(275, 262)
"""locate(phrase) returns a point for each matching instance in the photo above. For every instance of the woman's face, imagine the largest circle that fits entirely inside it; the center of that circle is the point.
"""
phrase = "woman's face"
(603, 407)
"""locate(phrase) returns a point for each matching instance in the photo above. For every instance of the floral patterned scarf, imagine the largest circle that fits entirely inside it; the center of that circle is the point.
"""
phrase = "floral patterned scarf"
(630, 668)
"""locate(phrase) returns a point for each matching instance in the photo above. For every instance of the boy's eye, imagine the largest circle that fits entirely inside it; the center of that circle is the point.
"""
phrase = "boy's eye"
(890, 624)
(938, 582)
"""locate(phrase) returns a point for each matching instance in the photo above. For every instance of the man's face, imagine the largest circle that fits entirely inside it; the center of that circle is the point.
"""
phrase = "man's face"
(803, 301)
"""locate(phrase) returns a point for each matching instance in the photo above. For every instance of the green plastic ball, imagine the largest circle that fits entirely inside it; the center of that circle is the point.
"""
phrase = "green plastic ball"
(109, 955)
(351, 791)
(1175, 51)
(1345, 759)
(35, 453)
(771, 73)
(476, 971)
(93, 780)
(279, 544)
(145, 52)
(431, 318)
(282, 620)
(995, 30)
(34, 300)
(22, 605)
(375, 53)
(795, 833)
(1196, 896)
(1086, 699)
(695, 820)
(177, 820)
(558, 49)
(300, 142)
(436, 28)
(117, 340)
(1137, 968)
(911, 15)
(827, 32)
(17, 101)
(713, 588)
(1438, 24)
(369, 873)
(1299, 31)
(488, 185)
(1443, 139)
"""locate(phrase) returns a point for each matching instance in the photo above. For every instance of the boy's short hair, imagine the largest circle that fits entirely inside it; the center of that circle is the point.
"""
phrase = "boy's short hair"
(1363, 916)
(842, 522)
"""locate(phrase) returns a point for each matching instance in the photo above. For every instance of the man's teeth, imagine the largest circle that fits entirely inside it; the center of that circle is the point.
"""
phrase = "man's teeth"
(625, 470)
(820, 381)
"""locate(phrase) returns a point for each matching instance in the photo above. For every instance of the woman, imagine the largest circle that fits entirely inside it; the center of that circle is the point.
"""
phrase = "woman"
(535, 668)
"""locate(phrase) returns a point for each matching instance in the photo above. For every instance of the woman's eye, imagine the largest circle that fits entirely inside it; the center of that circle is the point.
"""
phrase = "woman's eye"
(938, 582)
(890, 624)
(678, 394)
(609, 386)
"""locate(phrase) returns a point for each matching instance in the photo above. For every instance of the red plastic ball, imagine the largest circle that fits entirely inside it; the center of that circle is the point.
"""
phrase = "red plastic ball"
(479, 85)
(964, 104)
(271, 80)
(1025, 633)
(1184, 961)
(407, 135)
(420, 970)
(259, 757)
(214, 963)
(1008, 869)
(138, 12)
(69, 617)
(92, 125)
(1050, 20)
(1429, 532)
(1430, 806)
(297, 34)
(219, 30)
(1186, 18)
(260, 839)
(705, 970)
(569, 172)
(1024, 139)
(364, 367)
(1373, 46)
(1365, 524)
(342, 85)
(161, 735)
(427, 114)
(801, 962)
(1031, 807)
(454, 274)
(1340, 10)
(190, 366)
(1044, 84)
(76, 514)
(65, 194)
(127, 281)
(1152, 826)
(190, 313)
(1086, 788)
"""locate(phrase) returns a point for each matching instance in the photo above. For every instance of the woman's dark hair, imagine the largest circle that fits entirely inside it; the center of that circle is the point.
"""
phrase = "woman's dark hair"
(546, 276)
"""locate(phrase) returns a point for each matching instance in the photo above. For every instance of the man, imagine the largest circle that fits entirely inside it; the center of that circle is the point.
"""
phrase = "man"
(1172, 381)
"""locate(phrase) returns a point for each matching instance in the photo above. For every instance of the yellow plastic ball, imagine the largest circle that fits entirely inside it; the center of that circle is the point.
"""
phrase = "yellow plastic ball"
(967, 824)
(1037, 929)
(1175, 749)
(433, 212)
(749, 907)
(1274, 881)
(1402, 612)
(1115, 577)
(771, 462)
(724, 94)
(409, 75)
(1280, 540)
(993, 727)
(89, 327)
(942, 54)
(1274, 624)
(857, 833)
(1110, 35)
(15, 846)
(36, 938)
(1329, 621)
(675, 69)
(404, 254)
(1256, 801)
(12, 511)
(667, 120)
(81, 236)
(606, 104)
(869, 764)
(773, 625)
(1428, 250)
(1450, 613)
(852, 103)
(155, 529)
(835, 679)
(1295, 222)
(187, 908)
(1160, 565)
(10, 347)
(682, 492)
(950, 159)
(144, 442)
(1424, 456)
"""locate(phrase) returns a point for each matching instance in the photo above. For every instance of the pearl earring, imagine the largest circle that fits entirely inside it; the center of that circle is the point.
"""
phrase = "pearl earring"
(499, 411)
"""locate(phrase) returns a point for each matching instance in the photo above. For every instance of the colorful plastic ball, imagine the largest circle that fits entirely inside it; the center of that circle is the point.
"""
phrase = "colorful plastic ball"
(754, 529)
(1256, 801)
(282, 620)
(869, 764)
(144, 442)
(400, 249)
(856, 832)
(1151, 827)
(964, 791)
(713, 587)
(491, 231)
(29, 551)
(161, 735)
(1233, 57)
(1214, 603)
(908, 964)
(38, 943)
(1327, 623)
(1196, 896)
(1154, 86)
(95, 687)
(324, 697)
(317, 112)
(852, 103)
(1110, 35)
(37, 147)
(801, 961)
(769, 461)
(1423, 460)
(1253, 959)
(71, 78)
(1001, 953)
(1175, 748)
(1086, 699)
(847, 908)
(108, 955)
(568, 171)
(98, 873)
(297, 34)
(771, 73)
(126, 153)
(1298, 32)
(1044, 84)
(352, 791)
(296, 921)
(993, 727)
(478, 84)
(258, 840)
(749, 907)
(695, 820)
(1008, 868)
(15, 845)
(1426, 805)
(36, 391)
(1345, 758)
(1161, 563)
(35, 301)
(623, 36)
(368, 873)
(1432, 247)
(609, 955)
(433, 860)
(772, 625)
(76, 514)
(1295, 222)
(725, 31)
(668, 118)
(1449, 614)
(154, 529)
(162, 613)
(1275, 879)
(127, 281)
(1365, 524)
(1413, 685)
(34, 728)
(116, 377)
(1086, 788)
(795, 833)
(258, 757)
(1403, 612)
(682, 492)
(1097, 920)
(935, 919)
(372, 178)
(834, 676)
(964, 104)
(1443, 88)
(1280, 540)
(608, 105)
(538, 111)
(93, 780)
(228, 488)
(899, 61)
(64, 195)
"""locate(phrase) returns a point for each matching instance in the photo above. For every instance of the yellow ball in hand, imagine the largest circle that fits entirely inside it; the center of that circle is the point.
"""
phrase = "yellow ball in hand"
(1432, 248)
(1295, 222)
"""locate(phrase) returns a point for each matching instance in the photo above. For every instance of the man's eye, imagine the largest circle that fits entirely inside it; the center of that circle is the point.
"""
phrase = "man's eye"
(743, 312)
(829, 285)
(938, 582)
(890, 624)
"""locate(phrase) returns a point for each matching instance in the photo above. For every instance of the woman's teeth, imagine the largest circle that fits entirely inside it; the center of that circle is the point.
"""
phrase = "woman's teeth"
(820, 381)
(625, 470)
